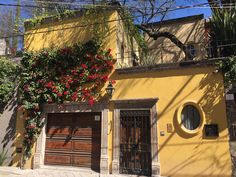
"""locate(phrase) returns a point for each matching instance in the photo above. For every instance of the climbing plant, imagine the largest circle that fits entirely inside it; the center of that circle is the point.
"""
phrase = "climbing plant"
(228, 69)
(72, 74)
(8, 76)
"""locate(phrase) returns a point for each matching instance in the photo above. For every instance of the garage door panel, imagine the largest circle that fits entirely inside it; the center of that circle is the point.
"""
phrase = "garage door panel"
(74, 140)
(84, 146)
(57, 159)
(58, 145)
(58, 131)
(83, 132)
(83, 161)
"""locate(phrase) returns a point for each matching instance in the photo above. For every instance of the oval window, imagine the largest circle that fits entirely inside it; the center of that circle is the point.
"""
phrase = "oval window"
(190, 117)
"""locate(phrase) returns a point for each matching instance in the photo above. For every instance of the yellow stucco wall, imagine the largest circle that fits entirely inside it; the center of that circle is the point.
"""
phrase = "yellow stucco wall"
(182, 154)
(17, 158)
(68, 32)
(192, 32)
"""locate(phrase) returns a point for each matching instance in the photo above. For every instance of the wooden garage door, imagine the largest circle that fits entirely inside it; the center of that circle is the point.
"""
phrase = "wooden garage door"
(73, 139)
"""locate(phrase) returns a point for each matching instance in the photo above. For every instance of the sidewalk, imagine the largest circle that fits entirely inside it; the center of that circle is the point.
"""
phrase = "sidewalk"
(46, 172)
(49, 171)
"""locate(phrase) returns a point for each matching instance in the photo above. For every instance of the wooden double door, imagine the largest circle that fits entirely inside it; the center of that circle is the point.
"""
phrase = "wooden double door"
(73, 139)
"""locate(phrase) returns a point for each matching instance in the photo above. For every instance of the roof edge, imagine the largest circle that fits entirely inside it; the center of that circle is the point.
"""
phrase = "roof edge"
(30, 24)
(176, 20)
(168, 66)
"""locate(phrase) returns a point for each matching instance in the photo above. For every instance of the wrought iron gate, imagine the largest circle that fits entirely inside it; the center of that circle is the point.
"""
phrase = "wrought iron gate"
(135, 142)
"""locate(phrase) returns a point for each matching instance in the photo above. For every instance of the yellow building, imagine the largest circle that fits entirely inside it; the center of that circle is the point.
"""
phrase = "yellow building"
(167, 119)
(190, 30)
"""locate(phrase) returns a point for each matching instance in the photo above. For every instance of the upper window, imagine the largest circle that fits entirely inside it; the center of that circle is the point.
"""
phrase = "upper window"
(192, 51)
(190, 117)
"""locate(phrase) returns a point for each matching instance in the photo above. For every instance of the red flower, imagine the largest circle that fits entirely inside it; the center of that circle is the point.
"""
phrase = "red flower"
(94, 67)
(40, 81)
(76, 80)
(26, 88)
(74, 72)
(49, 84)
(74, 96)
(84, 66)
(109, 64)
(70, 81)
(59, 94)
(104, 78)
(66, 93)
(31, 126)
(109, 50)
(54, 91)
(67, 85)
(81, 75)
(113, 81)
(91, 101)
(91, 77)
(100, 57)
(85, 92)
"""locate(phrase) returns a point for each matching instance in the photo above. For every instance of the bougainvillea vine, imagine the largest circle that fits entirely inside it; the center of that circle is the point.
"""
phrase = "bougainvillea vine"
(71, 74)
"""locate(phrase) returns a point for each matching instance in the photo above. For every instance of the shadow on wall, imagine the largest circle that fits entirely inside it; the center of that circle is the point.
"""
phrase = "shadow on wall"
(205, 156)
(164, 51)
(7, 128)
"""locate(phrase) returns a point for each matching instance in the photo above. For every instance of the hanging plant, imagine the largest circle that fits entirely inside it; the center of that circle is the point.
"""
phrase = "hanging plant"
(72, 74)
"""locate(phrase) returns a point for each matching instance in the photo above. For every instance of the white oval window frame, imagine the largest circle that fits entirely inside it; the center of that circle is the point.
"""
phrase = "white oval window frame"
(201, 113)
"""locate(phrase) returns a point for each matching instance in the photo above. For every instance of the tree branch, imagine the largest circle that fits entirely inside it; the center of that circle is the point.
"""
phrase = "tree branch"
(156, 34)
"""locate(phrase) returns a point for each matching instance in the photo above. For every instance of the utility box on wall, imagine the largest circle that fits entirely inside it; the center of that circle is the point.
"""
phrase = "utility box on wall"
(211, 130)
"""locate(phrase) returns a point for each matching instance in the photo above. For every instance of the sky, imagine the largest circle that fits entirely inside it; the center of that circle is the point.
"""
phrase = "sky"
(191, 11)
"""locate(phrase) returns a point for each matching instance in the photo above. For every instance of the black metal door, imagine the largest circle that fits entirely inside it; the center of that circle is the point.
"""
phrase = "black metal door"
(135, 143)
